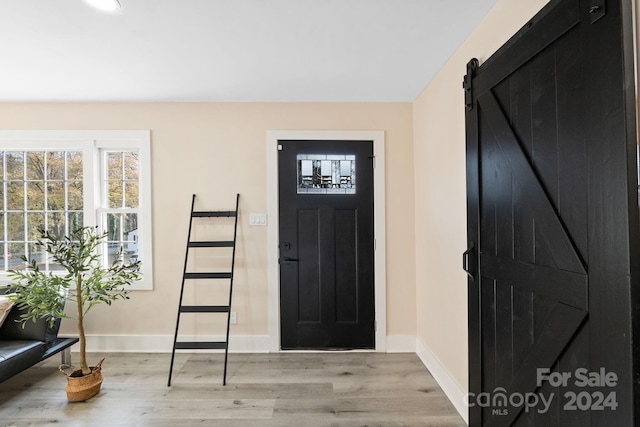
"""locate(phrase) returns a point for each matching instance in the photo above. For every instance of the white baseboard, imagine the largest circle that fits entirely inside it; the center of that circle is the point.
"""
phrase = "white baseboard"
(164, 343)
(237, 344)
(451, 388)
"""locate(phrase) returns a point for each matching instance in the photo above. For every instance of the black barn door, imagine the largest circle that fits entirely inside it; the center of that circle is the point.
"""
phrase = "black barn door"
(552, 222)
(326, 244)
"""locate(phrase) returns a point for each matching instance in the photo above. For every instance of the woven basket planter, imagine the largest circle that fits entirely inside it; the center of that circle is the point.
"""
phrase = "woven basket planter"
(82, 387)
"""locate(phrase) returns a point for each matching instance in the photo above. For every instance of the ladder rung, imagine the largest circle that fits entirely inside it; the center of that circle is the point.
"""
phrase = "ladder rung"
(209, 214)
(204, 308)
(207, 275)
(218, 244)
(202, 345)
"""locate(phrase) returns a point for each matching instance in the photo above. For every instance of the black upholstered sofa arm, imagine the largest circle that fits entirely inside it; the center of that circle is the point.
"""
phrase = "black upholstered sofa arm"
(22, 347)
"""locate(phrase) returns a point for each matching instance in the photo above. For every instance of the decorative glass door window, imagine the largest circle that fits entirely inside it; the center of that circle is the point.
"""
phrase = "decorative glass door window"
(326, 173)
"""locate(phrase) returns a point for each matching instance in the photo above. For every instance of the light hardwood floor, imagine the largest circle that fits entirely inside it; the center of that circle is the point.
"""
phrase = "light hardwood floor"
(281, 389)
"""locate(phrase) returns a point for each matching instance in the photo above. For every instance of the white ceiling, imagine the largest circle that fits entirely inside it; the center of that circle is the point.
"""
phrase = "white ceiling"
(229, 50)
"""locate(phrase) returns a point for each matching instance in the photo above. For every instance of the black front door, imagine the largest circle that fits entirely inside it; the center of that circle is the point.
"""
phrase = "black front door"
(326, 244)
(552, 222)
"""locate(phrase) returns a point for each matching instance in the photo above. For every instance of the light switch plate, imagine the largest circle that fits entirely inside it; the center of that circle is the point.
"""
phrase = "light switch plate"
(258, 219)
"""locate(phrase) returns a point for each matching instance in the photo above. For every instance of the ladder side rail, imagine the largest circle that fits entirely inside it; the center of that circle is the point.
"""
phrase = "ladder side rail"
(233, 261)
(184, 271)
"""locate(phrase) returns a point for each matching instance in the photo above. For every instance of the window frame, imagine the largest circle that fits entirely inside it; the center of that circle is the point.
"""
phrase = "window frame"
(93, 144)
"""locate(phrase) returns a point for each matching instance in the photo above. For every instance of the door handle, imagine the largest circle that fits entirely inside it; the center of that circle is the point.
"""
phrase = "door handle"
(286, 259)
(466, 260)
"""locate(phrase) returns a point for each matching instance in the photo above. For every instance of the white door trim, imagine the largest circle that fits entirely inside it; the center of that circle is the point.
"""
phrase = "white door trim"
(273, 280)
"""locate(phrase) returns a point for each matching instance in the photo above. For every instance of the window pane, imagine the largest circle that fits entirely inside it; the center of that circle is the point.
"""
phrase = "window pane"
(56, 223)
(55, 165)
(15, 195)
(131, 166)
(55, 195)
(114, 227)
(15, 165)
(31, 250)
(35, 223)
(114, 166)
(15, 226)
(53, 266)
(75, 220)
(15, 251)
(129, 225)
(74, 165)
(115, 194)
(35, 253)
(131, 194)
(35, 196)
(74, 195)
(35, 165)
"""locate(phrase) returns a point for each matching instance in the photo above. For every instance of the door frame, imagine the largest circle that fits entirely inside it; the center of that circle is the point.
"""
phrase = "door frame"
(273, 280)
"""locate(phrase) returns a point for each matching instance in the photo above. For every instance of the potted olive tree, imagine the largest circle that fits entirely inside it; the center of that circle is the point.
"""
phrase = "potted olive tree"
(81, 277)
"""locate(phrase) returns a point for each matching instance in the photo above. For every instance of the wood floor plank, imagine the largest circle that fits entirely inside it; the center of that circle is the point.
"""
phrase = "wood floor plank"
(255, 391)
(280, 389)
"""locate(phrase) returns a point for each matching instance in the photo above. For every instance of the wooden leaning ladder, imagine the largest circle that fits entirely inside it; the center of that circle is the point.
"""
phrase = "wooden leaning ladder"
(207, 345)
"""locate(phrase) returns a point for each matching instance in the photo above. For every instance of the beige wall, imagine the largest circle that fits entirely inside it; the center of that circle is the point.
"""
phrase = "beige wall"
(216, 150)
(440, 200)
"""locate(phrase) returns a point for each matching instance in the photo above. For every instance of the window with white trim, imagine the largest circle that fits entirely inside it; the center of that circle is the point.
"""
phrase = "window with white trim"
(59, 180)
